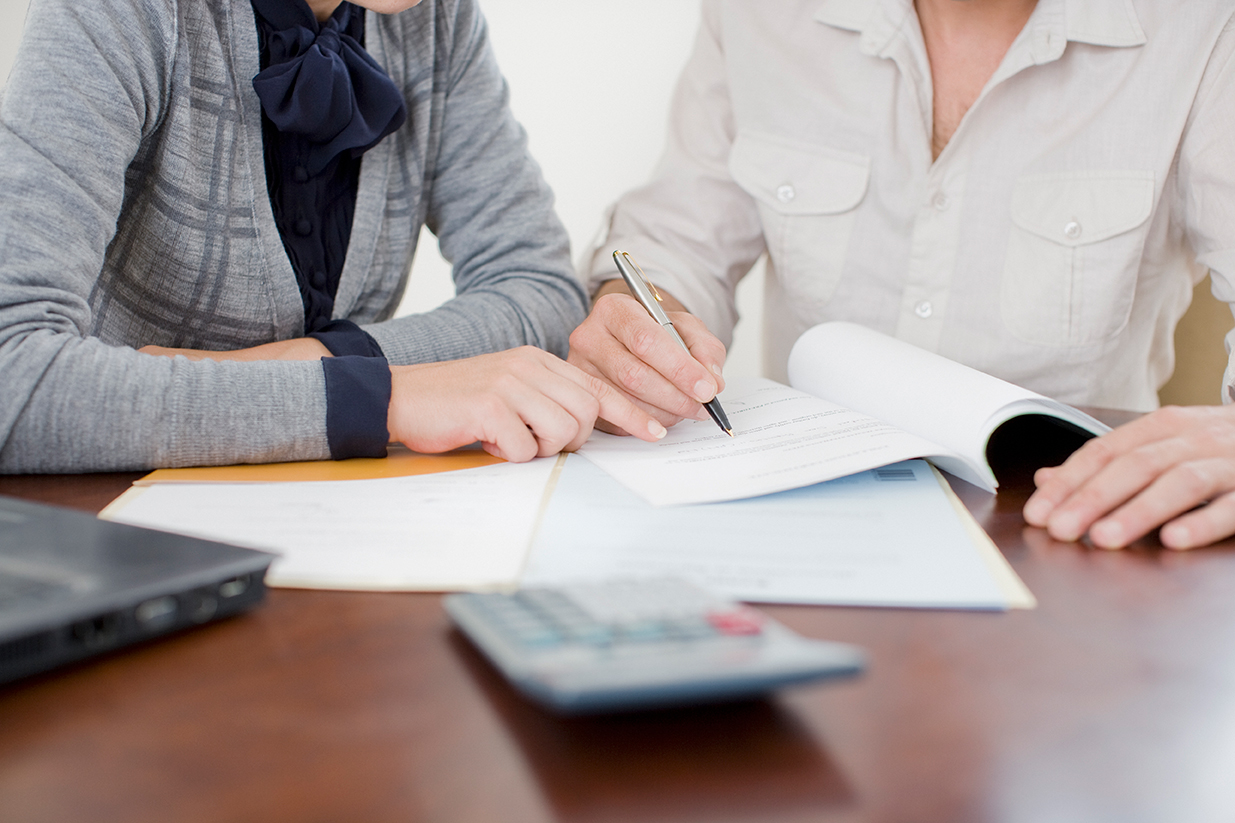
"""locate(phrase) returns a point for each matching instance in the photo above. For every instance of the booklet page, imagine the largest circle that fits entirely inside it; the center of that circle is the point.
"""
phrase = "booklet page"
(783, 439)
(917, 391)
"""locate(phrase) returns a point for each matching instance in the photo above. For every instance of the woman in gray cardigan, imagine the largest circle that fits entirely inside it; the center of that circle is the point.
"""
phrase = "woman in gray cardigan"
(136, 213)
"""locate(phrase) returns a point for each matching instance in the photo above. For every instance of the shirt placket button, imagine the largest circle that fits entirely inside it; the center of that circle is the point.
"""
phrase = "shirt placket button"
(1072, 230)
(924, 309)
(786, 193)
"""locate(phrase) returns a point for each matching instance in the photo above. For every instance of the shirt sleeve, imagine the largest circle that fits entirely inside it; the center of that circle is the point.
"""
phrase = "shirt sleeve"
(343, 338)
(357, 399)
(691, 228)
(1206, 175)
(75, 110)
(493, 216)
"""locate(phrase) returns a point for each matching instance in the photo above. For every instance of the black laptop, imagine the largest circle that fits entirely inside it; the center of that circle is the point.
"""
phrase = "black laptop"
(73, 586)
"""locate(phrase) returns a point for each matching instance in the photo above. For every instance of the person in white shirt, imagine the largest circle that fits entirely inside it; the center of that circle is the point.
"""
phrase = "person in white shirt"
(1029, 188)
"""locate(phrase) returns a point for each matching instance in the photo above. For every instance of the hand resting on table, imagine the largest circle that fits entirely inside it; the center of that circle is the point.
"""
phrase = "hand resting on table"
(1173, 468)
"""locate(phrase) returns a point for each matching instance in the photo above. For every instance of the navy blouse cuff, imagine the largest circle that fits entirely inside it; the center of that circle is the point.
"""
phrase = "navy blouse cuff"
(357, 401)
(343, 338)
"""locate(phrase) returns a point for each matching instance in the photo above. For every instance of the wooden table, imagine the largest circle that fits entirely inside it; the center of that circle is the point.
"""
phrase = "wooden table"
(1113, 701)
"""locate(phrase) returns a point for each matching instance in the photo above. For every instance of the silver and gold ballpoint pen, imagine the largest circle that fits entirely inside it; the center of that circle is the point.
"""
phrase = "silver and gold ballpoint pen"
(649, 298)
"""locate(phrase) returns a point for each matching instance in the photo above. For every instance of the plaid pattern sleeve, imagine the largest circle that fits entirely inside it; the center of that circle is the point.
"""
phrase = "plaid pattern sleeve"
(133, 211)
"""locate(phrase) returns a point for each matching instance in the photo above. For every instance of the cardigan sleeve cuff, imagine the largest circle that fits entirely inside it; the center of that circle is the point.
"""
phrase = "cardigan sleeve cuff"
(357, 402)
(343, 338)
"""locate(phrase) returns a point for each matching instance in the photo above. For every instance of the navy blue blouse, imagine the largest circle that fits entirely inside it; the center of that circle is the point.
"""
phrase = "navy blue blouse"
(325, 102)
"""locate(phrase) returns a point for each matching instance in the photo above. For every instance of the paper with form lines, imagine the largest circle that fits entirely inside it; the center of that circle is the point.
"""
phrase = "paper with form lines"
(891, 536)
(783, 439)
(466, 529)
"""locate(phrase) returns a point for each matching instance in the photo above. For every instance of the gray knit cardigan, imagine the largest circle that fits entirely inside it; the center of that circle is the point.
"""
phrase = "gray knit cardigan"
(133, 211)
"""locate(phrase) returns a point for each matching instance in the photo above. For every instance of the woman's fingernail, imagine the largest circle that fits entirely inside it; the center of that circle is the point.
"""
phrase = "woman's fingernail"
(716, 370)
(704, 391)
(656, 430)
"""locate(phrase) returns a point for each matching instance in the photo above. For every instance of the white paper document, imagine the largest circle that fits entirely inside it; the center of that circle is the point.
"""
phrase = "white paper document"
(884, 537)
(467, 529)
(783, 439)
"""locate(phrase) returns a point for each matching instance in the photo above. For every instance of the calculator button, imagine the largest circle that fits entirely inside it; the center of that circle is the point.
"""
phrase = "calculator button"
(740, 622)
(643, 631)
(590, 634)
(691, 628)
(541, 637)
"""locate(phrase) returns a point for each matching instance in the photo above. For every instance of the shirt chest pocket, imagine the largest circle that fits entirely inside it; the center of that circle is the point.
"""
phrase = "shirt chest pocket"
(806, 196)
(1073, 255)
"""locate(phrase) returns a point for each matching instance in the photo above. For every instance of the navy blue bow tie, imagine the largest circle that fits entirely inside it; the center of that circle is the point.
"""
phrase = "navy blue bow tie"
(320, 83)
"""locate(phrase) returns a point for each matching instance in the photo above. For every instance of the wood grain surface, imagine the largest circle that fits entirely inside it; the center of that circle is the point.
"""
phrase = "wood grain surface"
(1112, 701)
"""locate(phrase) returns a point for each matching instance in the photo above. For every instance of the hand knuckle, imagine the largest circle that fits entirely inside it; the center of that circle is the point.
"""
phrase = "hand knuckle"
(1173, 417)
(1098, 450)
(490, 407)
(631, 376)
(590, 408)
(581, 337)
(641, 340)
(1194, 479)
(1221, 437)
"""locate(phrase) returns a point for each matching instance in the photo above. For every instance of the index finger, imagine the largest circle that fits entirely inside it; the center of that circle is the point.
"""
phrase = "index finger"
(704, 346)
(614, 406)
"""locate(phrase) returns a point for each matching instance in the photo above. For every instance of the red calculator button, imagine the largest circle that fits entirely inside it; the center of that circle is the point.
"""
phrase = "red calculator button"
(736, 622)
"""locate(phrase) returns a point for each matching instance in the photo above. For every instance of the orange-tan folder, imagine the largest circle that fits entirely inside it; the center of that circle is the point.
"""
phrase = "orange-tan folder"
(399, 462)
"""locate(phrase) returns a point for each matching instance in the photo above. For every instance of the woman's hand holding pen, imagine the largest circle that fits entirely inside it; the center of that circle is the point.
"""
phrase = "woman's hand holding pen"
(518, 404)
(620, 344)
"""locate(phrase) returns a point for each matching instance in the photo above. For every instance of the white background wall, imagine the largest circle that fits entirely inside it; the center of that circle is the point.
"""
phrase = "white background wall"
(571, 65)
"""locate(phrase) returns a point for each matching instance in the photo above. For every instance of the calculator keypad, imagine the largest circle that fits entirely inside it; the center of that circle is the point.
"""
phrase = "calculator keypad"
(545, 619)
(619, 645)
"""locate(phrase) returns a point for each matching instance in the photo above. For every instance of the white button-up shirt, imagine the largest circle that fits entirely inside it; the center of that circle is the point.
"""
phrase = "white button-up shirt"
(1055, 241)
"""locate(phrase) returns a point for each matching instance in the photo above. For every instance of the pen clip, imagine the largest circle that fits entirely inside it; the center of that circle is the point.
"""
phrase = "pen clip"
(651, 286)
(642, 288)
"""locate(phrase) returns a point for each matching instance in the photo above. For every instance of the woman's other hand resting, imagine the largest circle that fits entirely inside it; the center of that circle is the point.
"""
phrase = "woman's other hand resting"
(1155, 471)
(518, 404)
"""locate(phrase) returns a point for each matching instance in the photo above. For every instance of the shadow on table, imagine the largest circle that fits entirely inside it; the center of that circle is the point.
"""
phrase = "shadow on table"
(751, 760)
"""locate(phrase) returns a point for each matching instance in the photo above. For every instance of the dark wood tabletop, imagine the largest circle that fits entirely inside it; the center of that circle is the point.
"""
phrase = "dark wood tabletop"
(1114, 700)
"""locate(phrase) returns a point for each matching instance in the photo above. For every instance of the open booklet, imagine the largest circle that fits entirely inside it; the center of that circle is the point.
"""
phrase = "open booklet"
(859, 400)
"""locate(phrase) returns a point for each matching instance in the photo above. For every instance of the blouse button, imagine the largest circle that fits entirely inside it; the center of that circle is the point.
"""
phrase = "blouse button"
(924, 309)
(1072, 230)
(300, 174)
(303, 227)
(785, 193)
(940, 201)
(318, 279)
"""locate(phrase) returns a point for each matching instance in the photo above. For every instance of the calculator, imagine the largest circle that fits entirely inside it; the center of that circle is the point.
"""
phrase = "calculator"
(621, 645)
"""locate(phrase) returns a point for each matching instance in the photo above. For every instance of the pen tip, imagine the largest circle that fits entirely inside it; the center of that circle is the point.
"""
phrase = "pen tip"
(729, 432)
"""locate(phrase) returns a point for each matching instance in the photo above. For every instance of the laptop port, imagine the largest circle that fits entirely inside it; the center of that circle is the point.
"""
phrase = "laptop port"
(99, 632)
(200, 605)
(155, 614)
(235, 587)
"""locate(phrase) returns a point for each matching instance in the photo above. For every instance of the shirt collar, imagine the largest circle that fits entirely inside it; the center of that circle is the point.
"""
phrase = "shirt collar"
(1110, 23)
